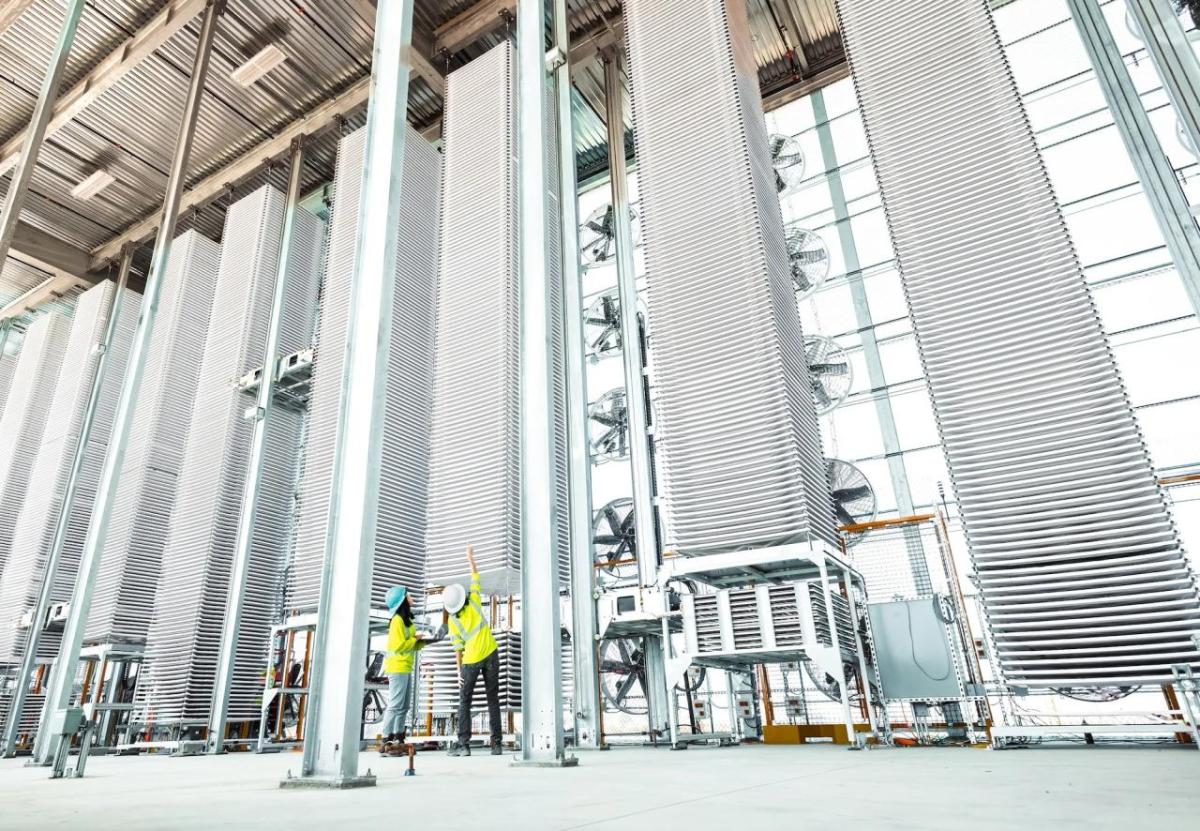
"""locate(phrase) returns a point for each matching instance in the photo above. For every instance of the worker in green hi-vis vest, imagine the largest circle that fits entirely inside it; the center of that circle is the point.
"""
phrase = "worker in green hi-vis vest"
(472, 639)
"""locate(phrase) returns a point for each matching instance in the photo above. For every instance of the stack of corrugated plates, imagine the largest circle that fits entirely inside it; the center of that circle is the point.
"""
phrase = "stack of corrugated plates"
(24, 418)
(739, 451)
(34, 533)
(1082, 574)
(841, 613)
(183, 642)
(137, 533)
(8, 368)
(475, 488)
(439, 678)
(400, 543)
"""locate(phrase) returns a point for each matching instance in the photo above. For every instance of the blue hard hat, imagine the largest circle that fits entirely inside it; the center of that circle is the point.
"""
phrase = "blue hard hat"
(395, 596)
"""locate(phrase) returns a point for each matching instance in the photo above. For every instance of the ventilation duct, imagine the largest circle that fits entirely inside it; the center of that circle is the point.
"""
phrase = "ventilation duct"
(33, 535)
(183, 642)
(738, 449)
(475, 488)
(137, 534)
(1083, 579)
(400, 540)
(24, 419)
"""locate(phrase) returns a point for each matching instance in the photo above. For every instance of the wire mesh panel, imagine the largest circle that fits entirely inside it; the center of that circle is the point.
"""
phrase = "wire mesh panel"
(24, 420)
(183, 641)
(399, 553)
(33, 536)
(137, 533)
(739, 452)
(1081, 570)
(475, 489)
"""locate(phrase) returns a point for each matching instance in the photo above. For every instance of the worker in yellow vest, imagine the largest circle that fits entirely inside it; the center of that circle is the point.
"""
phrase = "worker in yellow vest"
(472, 639)
(402, 647)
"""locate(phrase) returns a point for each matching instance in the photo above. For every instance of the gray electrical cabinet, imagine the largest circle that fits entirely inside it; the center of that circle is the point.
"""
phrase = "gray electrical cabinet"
(914, 649)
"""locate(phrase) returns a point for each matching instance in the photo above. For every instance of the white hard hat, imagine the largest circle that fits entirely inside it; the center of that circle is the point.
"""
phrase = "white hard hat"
(454, 598)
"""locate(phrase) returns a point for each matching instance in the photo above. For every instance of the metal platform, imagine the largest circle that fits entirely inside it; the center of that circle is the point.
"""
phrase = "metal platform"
(776, 564)
(293, 386)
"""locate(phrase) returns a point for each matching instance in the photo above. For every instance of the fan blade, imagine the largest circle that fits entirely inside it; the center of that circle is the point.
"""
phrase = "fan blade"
(852, 493)
(844, 517)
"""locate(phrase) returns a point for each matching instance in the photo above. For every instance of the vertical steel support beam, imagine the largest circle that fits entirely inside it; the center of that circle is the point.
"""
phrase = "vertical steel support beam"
(635, 388)
(584, 624)
(50, 573)
(827, 589)
(58, 694)
(871, 356)
(36, 134)
(1154, 169)
(541, 667)
(860, 647)
(255, 465)
(1177, 63)
(336, 687)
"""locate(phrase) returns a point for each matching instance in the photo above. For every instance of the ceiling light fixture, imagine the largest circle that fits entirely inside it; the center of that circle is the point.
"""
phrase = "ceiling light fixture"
(270, 57)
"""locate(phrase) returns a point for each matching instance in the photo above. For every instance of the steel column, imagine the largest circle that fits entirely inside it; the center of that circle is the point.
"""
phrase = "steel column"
(583, 576)
(636, 405)
(1172, 52)
(871, 356)
(254, 466)
(58, 695)
(58, 542)
(36, 132)
(1154, 169)
(541, 668)
(336, 685)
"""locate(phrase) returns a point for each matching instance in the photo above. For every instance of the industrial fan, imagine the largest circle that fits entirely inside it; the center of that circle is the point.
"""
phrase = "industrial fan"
(853, 497)
(608, 417)
(598, 235)
(788, 160)
(829, 372)
(603, 323)
(809, 260)
(623, 675)
(614, 541)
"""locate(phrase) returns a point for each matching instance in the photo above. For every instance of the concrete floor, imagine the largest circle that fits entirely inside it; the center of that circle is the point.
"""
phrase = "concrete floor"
(739, 789)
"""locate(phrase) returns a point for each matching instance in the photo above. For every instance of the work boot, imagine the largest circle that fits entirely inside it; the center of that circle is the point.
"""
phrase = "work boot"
(460, 750)
(496, 749)
(385, 744)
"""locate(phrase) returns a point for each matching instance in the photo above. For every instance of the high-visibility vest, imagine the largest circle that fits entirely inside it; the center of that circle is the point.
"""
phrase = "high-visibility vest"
(470, 633)
(401, 646)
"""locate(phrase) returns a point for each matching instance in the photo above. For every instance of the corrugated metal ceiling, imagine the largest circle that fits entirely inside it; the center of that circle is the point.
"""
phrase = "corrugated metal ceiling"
(131, 129)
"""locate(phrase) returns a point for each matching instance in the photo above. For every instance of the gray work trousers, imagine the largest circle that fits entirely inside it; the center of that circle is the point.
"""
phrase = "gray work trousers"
(399, 691)
(489, 667)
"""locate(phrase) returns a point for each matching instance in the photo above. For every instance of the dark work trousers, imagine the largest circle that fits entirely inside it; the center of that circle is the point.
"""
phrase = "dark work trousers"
(489, 667)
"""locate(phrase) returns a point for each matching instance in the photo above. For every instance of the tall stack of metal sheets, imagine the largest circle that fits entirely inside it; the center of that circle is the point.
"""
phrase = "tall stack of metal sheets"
(33, 536)
(8, 368)
(1082, 574)
(183, 643)
(400, 545)
(475, 488)
(137, 533)
(24, 418)
(738, 449)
